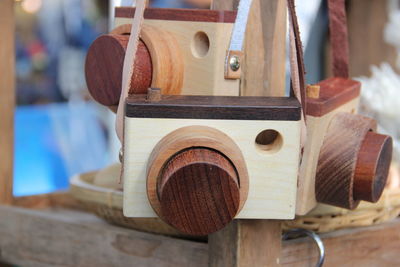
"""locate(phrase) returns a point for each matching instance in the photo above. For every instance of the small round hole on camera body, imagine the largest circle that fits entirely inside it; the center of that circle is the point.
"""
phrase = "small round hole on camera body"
(200, 44)
(269, 141)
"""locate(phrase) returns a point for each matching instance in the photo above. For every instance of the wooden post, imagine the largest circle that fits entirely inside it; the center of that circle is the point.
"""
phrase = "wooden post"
(246, 243)
(372, 15)
(7, 99)
(255, 242)
(265, 49)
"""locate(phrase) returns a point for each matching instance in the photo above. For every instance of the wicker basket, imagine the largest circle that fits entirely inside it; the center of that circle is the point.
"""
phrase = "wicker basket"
(107, 203)
(325, 218)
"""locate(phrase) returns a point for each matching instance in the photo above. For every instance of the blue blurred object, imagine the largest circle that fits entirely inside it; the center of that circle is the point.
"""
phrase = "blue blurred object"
(53, 142)
(169, 4)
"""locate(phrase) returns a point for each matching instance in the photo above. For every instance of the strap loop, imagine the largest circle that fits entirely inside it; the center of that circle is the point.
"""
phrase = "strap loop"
(339, 38)
(129, 65)
(296, 58)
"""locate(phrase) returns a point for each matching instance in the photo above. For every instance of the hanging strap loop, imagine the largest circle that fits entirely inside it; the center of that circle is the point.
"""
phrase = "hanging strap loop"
(297, 68)
(339, 38)
(128, 67)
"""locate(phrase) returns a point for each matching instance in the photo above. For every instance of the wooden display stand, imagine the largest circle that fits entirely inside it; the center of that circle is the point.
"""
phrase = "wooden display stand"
(255, 242)
(52, 230)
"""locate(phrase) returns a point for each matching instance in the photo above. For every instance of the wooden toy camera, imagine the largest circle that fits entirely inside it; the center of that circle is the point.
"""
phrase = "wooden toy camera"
(180, 51)
(197, 155)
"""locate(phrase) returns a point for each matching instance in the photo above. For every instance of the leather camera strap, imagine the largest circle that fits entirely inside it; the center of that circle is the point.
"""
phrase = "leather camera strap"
(339, 38)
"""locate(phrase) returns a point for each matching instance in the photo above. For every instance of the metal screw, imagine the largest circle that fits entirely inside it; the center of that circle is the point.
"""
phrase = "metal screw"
(234, 63)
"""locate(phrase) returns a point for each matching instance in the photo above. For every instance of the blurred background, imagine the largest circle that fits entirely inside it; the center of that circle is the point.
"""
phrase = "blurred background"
(61, 132)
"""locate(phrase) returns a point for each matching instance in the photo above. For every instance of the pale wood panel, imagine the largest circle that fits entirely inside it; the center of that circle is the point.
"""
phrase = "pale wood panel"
(202, 75)
(7, 99)
(273, 175)
(316, 129)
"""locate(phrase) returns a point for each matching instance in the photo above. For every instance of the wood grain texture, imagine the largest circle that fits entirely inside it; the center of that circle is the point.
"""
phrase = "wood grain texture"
(338, 38)
(273, 172)
(198, 15)
(193, 137)
(263, 71)
(199, 191)
(374, 16)
(365, 246)
(372, 168)
(334, 181)
(246, 243)
(167, 60)
(166, 57)
(203, 46)
(215, 107)
(58, 231)
(103, 68)
(129, 64)
(316, 130)
(71, 238)
(256, 242)
(333, 93)
(7, 100)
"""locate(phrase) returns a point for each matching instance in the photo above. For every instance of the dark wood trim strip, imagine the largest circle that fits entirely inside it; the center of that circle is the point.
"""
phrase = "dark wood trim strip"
(199, 15)
(215, 107)
(334, 92)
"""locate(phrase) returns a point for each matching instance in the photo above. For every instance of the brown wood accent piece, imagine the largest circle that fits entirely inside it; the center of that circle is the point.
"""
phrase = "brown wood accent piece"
(339, 38)
(103, 68)
(247, 243)
(334, 181)
(194, 137)
(199, 191)
(7, 100)
(198, 15)
(334, 92)
(215, 107)
(113, 108)
(372, 167)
